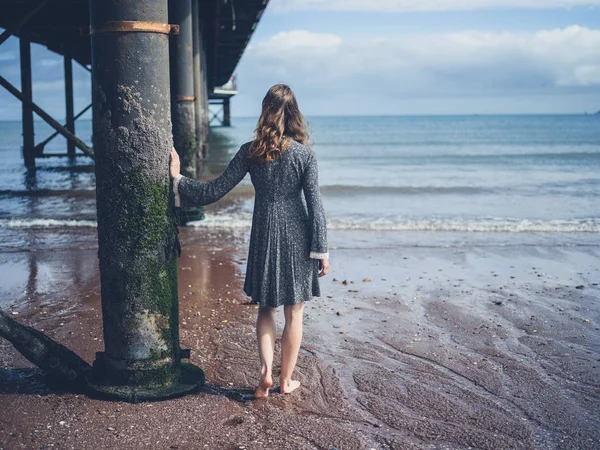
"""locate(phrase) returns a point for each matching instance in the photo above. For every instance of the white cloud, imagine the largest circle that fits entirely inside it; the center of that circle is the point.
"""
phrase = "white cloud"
(560, 57)
(421, 5)
(326, 68)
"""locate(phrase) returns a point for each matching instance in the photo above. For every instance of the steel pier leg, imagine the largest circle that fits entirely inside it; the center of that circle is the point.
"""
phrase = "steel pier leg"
(226, 112)
(27, 112)
(198, 92)
(68, 63)
(182, 96)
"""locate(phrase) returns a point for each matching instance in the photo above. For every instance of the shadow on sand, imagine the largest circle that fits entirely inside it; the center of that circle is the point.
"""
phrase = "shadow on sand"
(33, 381)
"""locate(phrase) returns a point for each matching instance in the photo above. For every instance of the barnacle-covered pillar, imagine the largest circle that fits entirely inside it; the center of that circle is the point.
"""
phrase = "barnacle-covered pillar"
(182, 96)
(136, 229)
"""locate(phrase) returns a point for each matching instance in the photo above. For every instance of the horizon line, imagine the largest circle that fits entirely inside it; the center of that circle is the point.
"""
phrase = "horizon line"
(586, 113)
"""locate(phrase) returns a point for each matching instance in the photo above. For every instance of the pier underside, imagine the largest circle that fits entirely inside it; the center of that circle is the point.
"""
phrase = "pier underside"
(217, 34)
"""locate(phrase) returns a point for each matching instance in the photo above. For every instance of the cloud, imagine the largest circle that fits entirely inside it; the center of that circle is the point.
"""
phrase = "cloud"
(326, 68)
(432, 63)
(422, 5)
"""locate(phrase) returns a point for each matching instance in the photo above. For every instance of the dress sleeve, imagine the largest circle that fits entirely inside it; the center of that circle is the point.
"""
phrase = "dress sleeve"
(198, 193)
(316, 212)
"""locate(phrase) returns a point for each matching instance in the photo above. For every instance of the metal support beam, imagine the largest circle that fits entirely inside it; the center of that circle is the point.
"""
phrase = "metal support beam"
(44, 115)
(226, 112)
(137, 240)
(68, 65)
(27, 111)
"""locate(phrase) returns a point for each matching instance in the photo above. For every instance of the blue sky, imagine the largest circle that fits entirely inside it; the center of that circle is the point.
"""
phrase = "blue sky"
(351, 57)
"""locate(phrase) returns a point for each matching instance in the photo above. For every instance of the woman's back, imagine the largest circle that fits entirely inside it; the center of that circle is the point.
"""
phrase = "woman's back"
(281, 179)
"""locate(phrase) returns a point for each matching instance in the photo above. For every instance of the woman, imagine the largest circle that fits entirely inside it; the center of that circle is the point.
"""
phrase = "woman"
(288, 240)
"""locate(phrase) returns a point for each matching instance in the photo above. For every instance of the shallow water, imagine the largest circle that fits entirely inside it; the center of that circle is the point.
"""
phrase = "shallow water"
(501, 176)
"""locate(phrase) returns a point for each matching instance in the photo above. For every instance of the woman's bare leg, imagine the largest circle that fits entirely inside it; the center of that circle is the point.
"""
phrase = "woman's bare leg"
(265, 334)
(290, 346)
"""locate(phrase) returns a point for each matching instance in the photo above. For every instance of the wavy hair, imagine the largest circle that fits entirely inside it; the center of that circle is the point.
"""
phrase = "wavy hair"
(280, 123)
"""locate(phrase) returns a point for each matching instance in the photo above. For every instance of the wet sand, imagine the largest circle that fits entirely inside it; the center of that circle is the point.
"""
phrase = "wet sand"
(409, 347)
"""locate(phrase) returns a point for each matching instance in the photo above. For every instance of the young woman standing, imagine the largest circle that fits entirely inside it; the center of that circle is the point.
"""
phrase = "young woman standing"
(288, 239)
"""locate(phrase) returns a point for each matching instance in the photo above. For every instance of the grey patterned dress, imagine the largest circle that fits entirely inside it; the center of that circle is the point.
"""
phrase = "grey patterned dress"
(289, 232)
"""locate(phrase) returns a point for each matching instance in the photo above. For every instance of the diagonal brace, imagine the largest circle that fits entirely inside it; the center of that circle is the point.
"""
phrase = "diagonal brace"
(39, 149)
(49, 120)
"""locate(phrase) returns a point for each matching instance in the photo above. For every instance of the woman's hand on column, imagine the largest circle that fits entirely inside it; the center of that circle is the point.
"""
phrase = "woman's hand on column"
(174, 163)
(324, 266)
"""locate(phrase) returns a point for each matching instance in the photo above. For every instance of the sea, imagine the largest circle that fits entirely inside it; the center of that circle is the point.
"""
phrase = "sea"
(418, 181)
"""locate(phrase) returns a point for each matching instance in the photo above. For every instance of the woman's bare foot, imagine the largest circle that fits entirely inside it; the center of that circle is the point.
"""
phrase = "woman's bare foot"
(289, 386)
(262, 391)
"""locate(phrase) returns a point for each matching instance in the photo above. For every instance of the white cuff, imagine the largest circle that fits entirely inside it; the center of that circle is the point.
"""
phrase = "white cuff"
(176, 181)
(315, 255)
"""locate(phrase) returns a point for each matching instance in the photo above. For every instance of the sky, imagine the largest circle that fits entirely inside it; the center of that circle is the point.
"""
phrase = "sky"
(385, 57)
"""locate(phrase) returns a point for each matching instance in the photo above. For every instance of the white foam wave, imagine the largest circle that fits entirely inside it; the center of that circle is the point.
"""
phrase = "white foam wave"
(45, 223)
(482, 225)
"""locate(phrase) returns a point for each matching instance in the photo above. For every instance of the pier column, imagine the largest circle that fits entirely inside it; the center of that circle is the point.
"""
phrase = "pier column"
(136, 233)
(70, 112)
(27, 111)
(198, 91)
(226, 112)
(205, 97)
(182, 86)
(182, 96)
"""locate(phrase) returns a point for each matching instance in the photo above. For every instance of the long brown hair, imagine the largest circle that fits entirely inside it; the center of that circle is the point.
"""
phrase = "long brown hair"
(280, 122)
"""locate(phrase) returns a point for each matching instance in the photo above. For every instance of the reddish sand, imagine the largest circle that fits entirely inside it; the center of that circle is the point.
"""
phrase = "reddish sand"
(408, 348)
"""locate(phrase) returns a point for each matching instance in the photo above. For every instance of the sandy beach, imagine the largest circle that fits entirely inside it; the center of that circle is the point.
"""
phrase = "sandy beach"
(488, 347)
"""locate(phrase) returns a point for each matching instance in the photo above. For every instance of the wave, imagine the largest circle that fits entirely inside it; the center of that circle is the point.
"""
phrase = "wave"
(336, 189)
(45, 223)
(592, 155)
(91, 192)
(480, 225)
(243, 221)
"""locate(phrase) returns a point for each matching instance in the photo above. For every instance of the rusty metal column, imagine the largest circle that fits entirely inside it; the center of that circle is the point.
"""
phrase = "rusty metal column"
(136, 232)
(182, 96)
(27, 111)
(199, 95)
(226, 112)
(70, 113)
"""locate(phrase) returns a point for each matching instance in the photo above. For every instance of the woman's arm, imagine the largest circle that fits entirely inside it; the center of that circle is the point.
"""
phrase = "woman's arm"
(316, 212)
(191, 192)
